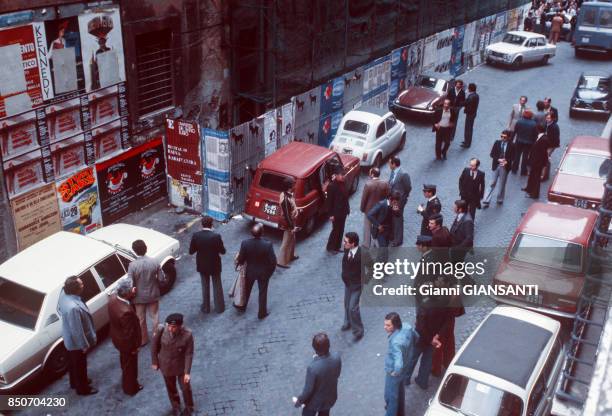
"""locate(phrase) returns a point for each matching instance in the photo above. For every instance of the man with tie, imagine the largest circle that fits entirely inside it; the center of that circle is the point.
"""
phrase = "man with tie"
(502, 154)
(443, 127)
(471, 186)
(374, 191)
(517, 112)
(400, 183)
(432, 208)
(337, 205)
(462, 231)
(538, 157)
(470, 110)
(457, 97)
(351, 276)
(526, 133)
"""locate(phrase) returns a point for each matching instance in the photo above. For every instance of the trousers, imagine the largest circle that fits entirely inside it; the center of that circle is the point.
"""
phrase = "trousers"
(499, 174)
(443, 356)
(217, 292)
(352, 314)
(141, 311)
(443, 139)
(173, 394)
(77, 371)
(533, 182)
(522, 152)
(129, 372)
(425, 352)
(287, 248)
(469, 129)
(337, 232)
(367, 233)
(262, 286)
(394, 395)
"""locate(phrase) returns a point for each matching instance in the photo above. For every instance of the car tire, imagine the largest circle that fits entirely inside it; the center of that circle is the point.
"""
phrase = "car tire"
(57, 363)
(545, 60)
(572, 113)
(402, 142)
(309, 226)
(377, 161)
(355, 184)
(169, 269)
(517, 63)
(577, 53)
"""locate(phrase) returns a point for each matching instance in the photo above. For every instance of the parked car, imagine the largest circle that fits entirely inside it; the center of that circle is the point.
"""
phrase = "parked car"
(310, 166)
(518, 48)
(507, 367)
(549, 249)
(369, 133)
(421, 98)
(592, 94)
(32, 280)
(594, 28)
(582, 173)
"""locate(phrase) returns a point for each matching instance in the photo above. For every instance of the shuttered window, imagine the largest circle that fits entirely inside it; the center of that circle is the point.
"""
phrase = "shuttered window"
(154, 66)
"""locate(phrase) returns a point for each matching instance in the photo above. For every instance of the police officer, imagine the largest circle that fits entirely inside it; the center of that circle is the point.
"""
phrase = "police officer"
(433, 207)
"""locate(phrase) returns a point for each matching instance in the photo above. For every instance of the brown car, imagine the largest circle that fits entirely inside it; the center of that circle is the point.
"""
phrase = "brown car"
(421, 98)
(549, 249)
(310, 166)
(582, 173)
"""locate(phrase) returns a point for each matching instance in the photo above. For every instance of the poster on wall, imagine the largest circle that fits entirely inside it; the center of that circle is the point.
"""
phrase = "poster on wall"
(443, 52)
(328, 127)
(63, 43)
(132, 180)
(415, 61)
(287, 133)
(399, 70)
(218, 191)
(430, 56)
(185, 194)
(36, 215)
(216, 145)
(217, 172)
(102, 49)
(332, 93)
(377, 76)
(79, 205)
(183, 151)
(270, 142)
(18, 135)
(457, 65)
(307, 112)
(353, 89)
(23, 173)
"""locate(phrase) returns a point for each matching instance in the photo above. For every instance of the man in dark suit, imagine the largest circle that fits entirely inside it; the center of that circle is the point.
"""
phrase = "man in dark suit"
(337, 205)
(538, 157)
(381, 216)
(502, 155)
(526, 133)
(550, 109)
(553, 134)
(351, 276)
(258, 254)
(440, 236)
(125, 334)
(444, 123)
(457, 97)
(209, 247)
(471, 186)
(462, 232)
(432, 207)
(321, 387)
(374, 191)
(470, 109)
(400, 183)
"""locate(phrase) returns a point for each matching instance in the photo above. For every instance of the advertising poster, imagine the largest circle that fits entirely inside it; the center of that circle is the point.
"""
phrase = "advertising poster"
(36, 215)
(183, 151)
(63, 43)
(270, 142)
(107, 140)
(287, 133)
(377, 76)
(132, 180)
(415, 61)
(444, 49)
(102, 49)
(103, 106)
(18, 135)
(399, 70)
(501, 25)
(219, 195)
(332, 93)
(68, 155)
(64, 120)
(353, 89)
(216, 145)
(430, 53)
(185, 194)
(307, 113)
(79, 205)
(23, 173)
(457, 62)
(328, 127)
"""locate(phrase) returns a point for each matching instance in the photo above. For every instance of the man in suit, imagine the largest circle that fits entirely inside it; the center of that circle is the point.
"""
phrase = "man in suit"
(440, 236)
(172, 354)
(526, 133)
(400, 183)
(550, 109)
(502, 155)
(471, 186)
(321, 387)
(553, 134)
(125, 334)
(208, 247)
(517, 112)
(443, 127)
(351, 277)
(337, 206)
(258, 254)
(538, 157)
(78, 333)
(432, 207)
(146, 275)
(457, 97)
(374, 191)
(381, 216)
(462, 231)
(470, 109)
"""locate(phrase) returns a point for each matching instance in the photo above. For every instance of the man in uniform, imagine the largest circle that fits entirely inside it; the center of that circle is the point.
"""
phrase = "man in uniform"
(432, 207)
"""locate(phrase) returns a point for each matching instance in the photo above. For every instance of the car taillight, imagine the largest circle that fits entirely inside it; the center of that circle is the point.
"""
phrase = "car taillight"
(257, 203)
(364, 157)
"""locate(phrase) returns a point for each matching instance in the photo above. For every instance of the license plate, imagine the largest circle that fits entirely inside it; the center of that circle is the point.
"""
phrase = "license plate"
(534, 299)
(581, 203)
(586, 40)
(347, 151)
(270, 209)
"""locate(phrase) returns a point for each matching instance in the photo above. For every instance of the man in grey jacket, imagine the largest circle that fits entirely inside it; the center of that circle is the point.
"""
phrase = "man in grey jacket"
(78, 333)
(321, 387)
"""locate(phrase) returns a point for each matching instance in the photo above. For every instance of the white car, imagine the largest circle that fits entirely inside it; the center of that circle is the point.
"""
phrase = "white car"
(369, 133)
(518, 48)
(509, 366)
(32, 280)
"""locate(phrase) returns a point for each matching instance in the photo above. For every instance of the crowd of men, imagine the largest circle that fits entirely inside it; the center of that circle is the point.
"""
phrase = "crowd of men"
(557, 13)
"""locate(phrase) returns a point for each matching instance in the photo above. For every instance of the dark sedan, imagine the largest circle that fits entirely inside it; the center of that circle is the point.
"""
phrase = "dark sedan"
(592, 94)
(421, 98)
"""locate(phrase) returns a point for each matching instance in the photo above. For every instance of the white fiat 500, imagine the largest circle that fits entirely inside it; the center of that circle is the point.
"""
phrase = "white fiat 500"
(32, 280)
(518, 48)
(369, 133)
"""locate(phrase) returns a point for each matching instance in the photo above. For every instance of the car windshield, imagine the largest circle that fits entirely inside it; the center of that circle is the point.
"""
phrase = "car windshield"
(356, 126)
(273, 181)
(595, 84)
(590, 166)
(513, 39)
(19, 305)
(471, 398)
(431, 83)
(557, 254)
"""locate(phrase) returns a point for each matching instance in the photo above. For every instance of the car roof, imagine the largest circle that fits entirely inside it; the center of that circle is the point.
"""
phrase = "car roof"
(381, 112)
(295, 159)
(593, 73)
(45, 265)
(589, 145)
(526, 34)
(520, 339)
(560, 222)
(597, 3)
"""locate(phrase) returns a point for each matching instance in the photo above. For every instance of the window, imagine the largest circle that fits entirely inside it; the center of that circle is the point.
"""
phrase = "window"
(589, 17)
(390, 122)
(552, 359)
(605, 18)
(356, 126)
(594, 83)
(154, 71)
(19, 305)
(532, 43)
(125, 261)
(513, 39)
(541, 42)
(557, 254)
(381, 130)
(110, 270)
(90, 286)
(589, 166)
(272, 181)
(536, 396)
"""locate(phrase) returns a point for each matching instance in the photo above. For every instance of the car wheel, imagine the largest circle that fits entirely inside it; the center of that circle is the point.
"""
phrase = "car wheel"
(572, 113)
(309, 227)
(377, 161)
(402, 142)
(169, 269)
(516, 64)
(57, 363)
(545, 59)
(577, 53)
(355, 184)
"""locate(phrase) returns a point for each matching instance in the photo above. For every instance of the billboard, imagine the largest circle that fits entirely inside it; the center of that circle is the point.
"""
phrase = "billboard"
(79, 205)
(63, 43)
(183, 156)
(36, 215)
(332, 94)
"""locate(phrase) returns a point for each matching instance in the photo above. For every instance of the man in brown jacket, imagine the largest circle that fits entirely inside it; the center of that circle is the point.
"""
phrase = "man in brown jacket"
(373, 192)
(125, 334)
(172, 353)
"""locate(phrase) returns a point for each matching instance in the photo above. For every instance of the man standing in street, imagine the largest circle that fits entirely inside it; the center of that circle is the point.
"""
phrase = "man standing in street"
(472, 185)
(290, 212)
(209, 247)
(538, 157)
(351, 277)
(440, 236)
(381, 217)
(462, 232)
(432, 207)
(471, 108)
(443, 127)
(550, 109)
(172, 354)
(502, 155)
(78, 333)
(526, 134)
(517, 112)
(400, 183)
(374, 191)
(258, 254)
(553, 135)
(337, 205)
(321, 387)
(146, 274)
(125, 334)
(555, 28)
(457, 97)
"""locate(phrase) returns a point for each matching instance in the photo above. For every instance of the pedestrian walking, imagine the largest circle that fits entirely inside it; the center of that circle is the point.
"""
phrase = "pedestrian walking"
(457, 97)
(472, 186)
(351, 277)
(258, 255)
(337, 206)
(381, 216)
(125, 334)
(538, 157)
(555, 28)
(208, 247)
(443, 127)
(517, 112)
(432, 207)
(146, 275)
(172, 354)
(462, 231)
(402, 339)
(78, 334)
(471, 108)
(553, 135)
(502, 155)
(321, 387)
(290, 212)
(525, 133)
(400, 183)
(374, 191)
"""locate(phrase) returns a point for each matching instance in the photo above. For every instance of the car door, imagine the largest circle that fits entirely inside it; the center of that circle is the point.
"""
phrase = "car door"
(380, 138)
(393, 133)
(95, 298)
(531, 50)
(543, 47)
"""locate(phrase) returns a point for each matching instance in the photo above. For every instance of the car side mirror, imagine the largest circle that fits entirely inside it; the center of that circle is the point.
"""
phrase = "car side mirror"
(51, 319)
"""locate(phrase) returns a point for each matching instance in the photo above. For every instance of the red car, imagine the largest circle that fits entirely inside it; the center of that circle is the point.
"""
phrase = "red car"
(582, 173)
(421, 98)
(549, 249)
(310, 167)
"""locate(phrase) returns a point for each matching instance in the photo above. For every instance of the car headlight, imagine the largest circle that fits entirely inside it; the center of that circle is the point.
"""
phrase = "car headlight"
(508, 58)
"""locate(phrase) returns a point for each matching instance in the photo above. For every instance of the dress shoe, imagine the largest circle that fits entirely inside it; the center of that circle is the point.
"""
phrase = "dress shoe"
(295, 258)
(89, 392)
(485, 205)
(264, 316)
(500, 202)
(282, 266)
(438, 158)
(345, 327)
(72, 386)
(358, 337)
(204, 310)
(239, 308)
(140, 387)
(444, 157)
